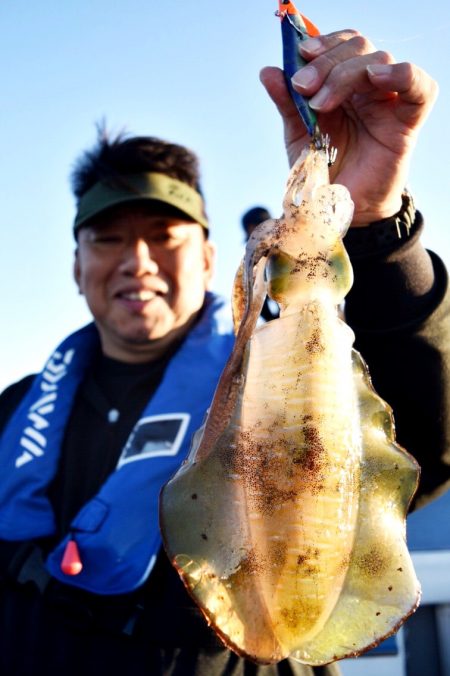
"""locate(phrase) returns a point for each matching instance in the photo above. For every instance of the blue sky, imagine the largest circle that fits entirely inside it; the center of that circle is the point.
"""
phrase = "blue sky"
(185, 72)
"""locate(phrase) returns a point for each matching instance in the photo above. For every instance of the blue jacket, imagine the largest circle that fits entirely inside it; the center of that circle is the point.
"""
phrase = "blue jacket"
(117, 531)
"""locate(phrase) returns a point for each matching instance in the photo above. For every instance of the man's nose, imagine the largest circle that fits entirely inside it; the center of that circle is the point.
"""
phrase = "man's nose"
(138, 258)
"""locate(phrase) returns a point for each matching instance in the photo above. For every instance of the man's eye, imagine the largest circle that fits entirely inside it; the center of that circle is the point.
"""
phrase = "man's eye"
(107, 239)
(160, 237)
(164, 238)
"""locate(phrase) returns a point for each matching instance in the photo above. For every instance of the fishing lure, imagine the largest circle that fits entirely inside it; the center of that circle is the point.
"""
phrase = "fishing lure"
(296, 28)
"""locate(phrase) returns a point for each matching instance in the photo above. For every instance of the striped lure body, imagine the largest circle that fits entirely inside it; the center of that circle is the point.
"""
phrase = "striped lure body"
(295, 28)
(287, 521)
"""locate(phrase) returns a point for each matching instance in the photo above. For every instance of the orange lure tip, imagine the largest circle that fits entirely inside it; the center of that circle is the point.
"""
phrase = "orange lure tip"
(290, 8)
(71, 562)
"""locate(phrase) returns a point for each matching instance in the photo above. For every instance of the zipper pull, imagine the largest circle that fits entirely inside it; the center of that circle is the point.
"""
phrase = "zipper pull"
(71, 563)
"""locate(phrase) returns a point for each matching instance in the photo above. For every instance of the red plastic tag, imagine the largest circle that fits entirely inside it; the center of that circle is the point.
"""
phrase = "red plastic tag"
(71, 562)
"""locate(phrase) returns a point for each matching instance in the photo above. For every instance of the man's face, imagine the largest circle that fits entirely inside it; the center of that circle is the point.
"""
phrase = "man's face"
(144, 276)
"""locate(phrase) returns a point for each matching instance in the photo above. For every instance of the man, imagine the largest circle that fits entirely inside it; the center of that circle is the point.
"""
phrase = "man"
(252, 218)
(87, 444)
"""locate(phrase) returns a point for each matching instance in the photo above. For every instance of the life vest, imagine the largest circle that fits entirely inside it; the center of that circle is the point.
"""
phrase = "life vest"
(117, 531)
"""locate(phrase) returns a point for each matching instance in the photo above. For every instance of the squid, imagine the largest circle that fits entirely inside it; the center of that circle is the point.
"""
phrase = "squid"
(286, 522)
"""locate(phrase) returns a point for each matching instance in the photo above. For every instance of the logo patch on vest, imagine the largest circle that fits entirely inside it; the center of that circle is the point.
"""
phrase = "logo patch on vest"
(155, 436)
(33, 439)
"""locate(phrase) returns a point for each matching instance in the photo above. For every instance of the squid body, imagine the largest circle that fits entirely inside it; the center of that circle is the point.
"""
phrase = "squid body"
(287, 520)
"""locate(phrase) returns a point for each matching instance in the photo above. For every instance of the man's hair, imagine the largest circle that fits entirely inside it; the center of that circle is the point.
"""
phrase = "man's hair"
(112, 158)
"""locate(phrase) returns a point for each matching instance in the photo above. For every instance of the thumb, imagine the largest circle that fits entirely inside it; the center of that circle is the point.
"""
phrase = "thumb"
(295, 134)
(273, 80)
